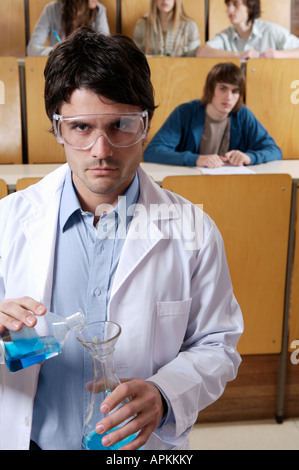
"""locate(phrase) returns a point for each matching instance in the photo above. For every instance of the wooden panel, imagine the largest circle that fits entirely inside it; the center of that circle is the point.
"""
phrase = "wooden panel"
(177, 80)
(3, 189)
(12, 31)
(252, 213)
(272, 93)
(275, 12)
(10, 112)
(132, 10)
(42, 145)
(111, 14)
(35, 8)
(253, 394)
(23, 183)
(294, 304)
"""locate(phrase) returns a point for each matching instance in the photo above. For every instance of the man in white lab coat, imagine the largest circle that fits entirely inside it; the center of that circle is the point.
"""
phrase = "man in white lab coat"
(163, 276)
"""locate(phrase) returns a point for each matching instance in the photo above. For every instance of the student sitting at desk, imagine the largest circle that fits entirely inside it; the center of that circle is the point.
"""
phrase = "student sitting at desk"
(215, 130)
(249, 37)
(167, 30)
(61, 18)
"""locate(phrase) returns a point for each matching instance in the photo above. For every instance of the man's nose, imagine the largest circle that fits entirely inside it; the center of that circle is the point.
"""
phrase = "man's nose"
(102, 147)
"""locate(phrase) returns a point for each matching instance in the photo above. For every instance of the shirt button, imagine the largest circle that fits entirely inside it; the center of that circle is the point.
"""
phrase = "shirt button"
(97, 292)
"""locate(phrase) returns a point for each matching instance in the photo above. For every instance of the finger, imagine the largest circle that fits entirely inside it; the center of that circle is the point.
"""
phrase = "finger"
(18, 312)
(119, 395)
(126, 432)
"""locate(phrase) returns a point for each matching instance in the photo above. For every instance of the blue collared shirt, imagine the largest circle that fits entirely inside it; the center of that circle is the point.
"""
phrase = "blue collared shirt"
(86, 259)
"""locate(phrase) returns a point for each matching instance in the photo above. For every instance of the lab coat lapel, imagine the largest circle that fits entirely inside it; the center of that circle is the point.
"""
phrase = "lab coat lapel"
(42, 245)
(135, 249)
(143, 234)
(42, 240)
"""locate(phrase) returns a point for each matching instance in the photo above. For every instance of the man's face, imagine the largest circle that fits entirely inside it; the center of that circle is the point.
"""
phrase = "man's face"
(237, 12)
(225, 98)
(103, 170)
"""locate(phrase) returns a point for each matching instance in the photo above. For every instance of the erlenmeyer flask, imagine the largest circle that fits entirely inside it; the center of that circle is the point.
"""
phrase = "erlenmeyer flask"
(29, 346)
(100, 339)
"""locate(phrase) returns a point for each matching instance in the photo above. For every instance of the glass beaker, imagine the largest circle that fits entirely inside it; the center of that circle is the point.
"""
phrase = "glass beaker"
(100, 338)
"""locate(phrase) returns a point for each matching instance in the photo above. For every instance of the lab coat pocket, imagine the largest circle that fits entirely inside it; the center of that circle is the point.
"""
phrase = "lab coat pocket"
(171, 323)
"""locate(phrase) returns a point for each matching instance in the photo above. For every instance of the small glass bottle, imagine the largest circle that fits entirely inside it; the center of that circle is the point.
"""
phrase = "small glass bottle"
(100, 338)
(29, 346)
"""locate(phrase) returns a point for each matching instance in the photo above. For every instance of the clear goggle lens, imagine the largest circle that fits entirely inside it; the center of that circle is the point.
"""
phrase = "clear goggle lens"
(120, 130)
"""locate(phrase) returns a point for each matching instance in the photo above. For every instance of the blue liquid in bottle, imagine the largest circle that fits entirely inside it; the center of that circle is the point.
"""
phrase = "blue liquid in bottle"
(93, 441)
(24, 353)
(29, 346)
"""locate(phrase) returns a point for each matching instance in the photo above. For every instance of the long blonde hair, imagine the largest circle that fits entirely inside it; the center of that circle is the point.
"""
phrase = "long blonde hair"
(152, 19)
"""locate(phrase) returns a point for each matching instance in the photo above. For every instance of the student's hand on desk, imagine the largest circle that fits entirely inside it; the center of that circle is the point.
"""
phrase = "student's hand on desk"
(271, 54)
(250, 54)
(15, 313)
(237, 158)
(145, 407)
(209, 161)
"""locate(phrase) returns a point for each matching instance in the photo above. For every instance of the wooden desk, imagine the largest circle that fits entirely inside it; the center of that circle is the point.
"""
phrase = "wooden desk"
(11, 173)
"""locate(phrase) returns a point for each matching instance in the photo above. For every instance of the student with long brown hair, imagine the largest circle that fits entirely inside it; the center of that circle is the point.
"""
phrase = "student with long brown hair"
(60, 18)
(216, 130)
(167, 30)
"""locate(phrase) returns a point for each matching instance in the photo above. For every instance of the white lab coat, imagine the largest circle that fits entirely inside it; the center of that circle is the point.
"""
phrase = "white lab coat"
(180, 334)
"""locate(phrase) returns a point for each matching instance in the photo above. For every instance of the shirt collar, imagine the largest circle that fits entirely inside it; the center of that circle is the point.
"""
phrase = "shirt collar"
(254, 33)
(69, 203)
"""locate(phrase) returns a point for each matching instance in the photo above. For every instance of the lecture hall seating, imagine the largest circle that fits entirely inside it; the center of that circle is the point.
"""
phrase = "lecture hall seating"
(42, 145)
(23, 183)
(10, 112)
(252, 213)
(3, 189)
(294, 304)
(12, 31)
(269, 96)
(274, 11)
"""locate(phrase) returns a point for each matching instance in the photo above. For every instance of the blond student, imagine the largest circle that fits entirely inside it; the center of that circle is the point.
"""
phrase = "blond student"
(167, 30)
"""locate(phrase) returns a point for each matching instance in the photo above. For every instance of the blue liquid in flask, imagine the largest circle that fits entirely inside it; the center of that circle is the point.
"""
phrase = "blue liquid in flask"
(24, 353)
(93, 441)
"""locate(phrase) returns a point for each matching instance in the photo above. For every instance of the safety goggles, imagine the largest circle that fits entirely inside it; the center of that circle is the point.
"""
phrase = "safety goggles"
(120, 130)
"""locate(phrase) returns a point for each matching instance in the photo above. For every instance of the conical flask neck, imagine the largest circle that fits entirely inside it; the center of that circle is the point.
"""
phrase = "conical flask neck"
(99, 338)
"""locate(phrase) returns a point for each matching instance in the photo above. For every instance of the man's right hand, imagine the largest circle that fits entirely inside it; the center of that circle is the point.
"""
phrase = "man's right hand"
(209, 161)
(15, 313)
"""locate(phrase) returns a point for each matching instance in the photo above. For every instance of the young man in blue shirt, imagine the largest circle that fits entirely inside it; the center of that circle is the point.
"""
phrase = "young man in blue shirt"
(216, 130)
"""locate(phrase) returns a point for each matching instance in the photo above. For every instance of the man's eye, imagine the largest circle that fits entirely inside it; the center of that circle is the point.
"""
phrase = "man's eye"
(121, 124)
(80, 126)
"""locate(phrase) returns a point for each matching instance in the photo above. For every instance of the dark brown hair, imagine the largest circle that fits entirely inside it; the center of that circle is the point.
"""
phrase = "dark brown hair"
(111, 66)
(254, 9)
(225, 72)
(70, 15)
